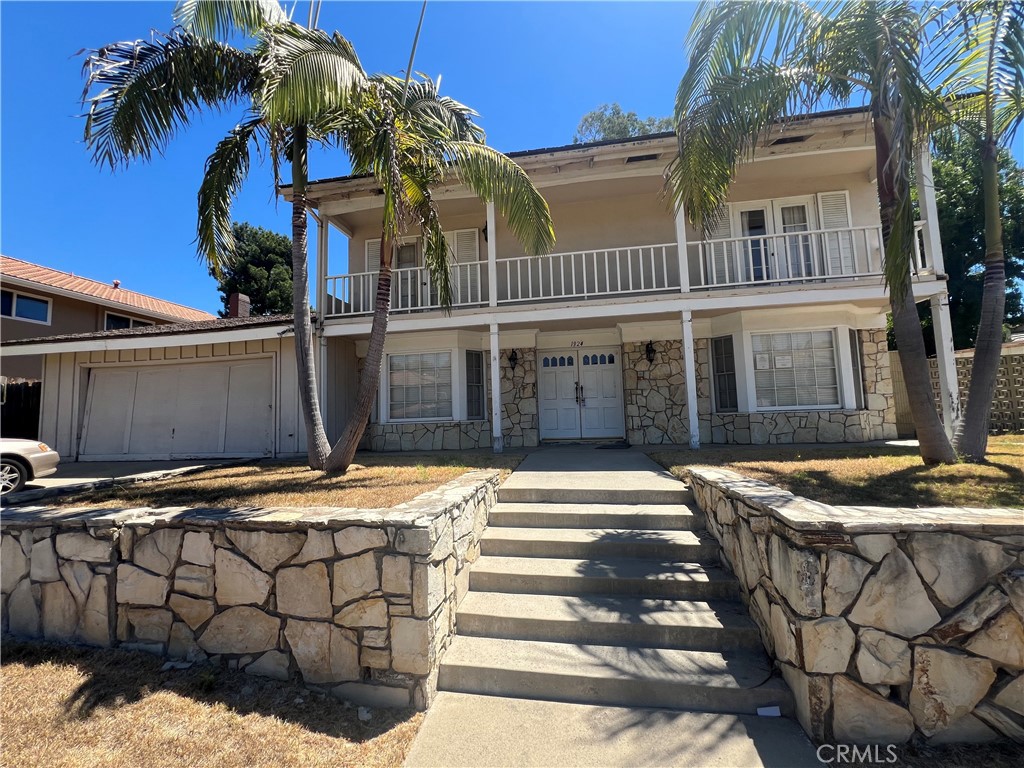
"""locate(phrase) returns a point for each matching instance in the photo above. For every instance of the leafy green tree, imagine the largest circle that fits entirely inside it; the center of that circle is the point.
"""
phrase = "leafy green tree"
(290, 80)
(753, 64)
(261, 268)
(609, 121)
(981, 60)
(956, 164)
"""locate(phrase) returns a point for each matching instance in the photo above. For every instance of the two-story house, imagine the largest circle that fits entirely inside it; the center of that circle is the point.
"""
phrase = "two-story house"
(38, 301)
(639, 328)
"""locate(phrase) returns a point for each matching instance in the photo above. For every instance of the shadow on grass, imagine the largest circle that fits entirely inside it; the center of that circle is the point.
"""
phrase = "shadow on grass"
(115, 678)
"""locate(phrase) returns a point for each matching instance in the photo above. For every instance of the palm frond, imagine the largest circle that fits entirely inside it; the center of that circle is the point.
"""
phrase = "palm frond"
(497, 178)
(139, 93)
(436, 256)
(221, 19)
(307, 73)
(226, 169)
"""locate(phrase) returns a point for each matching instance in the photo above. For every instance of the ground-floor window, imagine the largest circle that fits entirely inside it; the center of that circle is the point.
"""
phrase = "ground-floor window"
(795, 369)
(420, 386)
(475, 385)
(723, 364)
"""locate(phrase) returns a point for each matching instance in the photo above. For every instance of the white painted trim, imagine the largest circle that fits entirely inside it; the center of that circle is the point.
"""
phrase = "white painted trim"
(929, 210)
(458, 388)
(748, 363)
(492, 256)
(690, 370)
(29, 284)
(15, 295)
(946, 359)
(845, 371)
(682, 255)
(556, 340)
(184, 339)
(497, 440)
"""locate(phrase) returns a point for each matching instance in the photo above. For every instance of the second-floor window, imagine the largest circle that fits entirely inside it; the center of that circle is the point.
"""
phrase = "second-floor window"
(24, 307)
(117, 322)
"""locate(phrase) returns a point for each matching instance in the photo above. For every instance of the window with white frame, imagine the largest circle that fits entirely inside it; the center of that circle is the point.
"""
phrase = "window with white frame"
(475, 397)
(21, 306)
(723, 365)
(795, 369)
(115, 322)
(420, 386)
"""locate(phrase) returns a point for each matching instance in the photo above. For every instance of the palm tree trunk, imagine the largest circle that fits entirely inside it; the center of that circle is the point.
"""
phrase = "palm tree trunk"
(369, 380)
(934, 443)
(972, 432)
(316, 438)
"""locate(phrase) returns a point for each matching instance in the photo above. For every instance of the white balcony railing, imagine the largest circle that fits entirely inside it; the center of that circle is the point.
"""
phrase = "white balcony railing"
(583, 274)
(781, 259)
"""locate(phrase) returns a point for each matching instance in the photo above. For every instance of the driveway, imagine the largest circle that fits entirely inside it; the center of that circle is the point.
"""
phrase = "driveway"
(75, 476)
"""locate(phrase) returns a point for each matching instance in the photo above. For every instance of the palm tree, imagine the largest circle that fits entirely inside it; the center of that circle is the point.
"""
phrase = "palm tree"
(982, 60)
(410, 139)
(140, 93)
(752, 64)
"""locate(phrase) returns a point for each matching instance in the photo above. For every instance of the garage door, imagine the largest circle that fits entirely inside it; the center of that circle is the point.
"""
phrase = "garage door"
(198, 410)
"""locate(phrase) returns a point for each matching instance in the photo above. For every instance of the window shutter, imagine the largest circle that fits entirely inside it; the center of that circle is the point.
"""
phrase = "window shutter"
(464, 245)
(372, 255)
(717, 255)
(834, 209)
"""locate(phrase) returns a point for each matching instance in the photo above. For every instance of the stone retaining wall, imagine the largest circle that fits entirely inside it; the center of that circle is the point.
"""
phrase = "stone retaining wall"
(887, 624)
(360, 602)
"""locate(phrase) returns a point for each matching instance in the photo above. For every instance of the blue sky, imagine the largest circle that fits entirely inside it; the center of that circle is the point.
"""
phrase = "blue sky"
(530, 69)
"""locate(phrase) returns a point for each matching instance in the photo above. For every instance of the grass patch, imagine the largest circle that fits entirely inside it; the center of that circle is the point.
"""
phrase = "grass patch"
(887, 476)
(65, 707)
(375, 480)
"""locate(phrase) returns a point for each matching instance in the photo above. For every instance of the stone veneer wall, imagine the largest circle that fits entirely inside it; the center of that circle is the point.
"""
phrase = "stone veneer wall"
(360, 602)
(887, 624)
(519, 422)
(876, 422)
(428, 436)
(654, 394)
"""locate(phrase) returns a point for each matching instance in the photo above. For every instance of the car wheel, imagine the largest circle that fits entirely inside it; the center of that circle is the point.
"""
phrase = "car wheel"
(12, 477)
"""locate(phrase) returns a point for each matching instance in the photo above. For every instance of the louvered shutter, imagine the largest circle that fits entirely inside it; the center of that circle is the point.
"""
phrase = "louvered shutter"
(467, 254)
(719, 265)
(834, 210)
(364, 288)
(373, 255)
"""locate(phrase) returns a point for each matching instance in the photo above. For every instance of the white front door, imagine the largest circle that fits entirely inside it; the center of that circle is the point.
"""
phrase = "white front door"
(580, 393)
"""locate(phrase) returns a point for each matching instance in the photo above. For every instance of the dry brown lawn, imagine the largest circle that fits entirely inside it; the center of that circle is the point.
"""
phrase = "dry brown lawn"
(890, 476)
(376, 480)
(68, 707)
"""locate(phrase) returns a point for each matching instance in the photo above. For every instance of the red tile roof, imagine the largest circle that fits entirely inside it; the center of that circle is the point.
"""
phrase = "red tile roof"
(45, 278)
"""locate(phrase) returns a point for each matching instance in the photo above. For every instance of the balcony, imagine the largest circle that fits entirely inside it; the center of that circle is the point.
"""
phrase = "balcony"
(769, 261)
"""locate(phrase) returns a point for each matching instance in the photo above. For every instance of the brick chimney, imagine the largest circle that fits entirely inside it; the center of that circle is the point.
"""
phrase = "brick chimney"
(238, 305)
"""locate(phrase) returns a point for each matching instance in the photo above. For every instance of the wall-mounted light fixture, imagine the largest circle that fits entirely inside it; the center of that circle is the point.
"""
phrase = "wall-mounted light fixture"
(483, 231)
(649, 351)
(513, 358)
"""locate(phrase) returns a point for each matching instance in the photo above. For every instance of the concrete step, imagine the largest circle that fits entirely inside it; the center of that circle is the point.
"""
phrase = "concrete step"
(579, 542)
(518, 733)
(606, 620)
(666, 491)
(733, 681)
(642, 578)
(662, 517)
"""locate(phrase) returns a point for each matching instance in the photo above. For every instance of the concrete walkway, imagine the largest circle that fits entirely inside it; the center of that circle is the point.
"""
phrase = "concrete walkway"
(467, 730)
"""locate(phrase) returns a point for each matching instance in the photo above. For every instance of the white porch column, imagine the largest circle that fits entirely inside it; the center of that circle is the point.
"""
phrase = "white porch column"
(684, 270)
(690, 370)
(926, 197)
(492, 257)
(948, 386)
(497, 441)
(323, 231)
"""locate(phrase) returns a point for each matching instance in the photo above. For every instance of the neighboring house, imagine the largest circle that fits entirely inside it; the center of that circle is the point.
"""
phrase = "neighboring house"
(38, 301)
(770, 329)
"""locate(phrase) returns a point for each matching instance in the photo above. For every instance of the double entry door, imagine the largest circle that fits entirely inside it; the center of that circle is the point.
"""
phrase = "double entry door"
(580, 393)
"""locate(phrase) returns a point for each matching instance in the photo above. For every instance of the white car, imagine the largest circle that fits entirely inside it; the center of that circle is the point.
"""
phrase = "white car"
(24, 460)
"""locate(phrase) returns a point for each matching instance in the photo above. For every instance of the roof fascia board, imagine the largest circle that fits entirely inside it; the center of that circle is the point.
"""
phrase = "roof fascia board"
(64, 292)
(150, 341)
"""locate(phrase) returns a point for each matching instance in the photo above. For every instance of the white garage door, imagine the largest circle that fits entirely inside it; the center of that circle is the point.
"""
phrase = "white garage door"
(198, 410)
